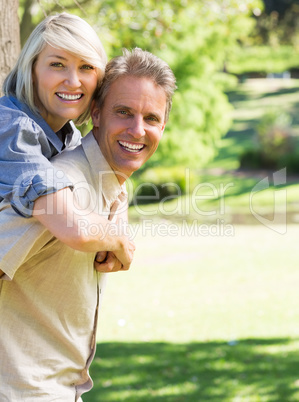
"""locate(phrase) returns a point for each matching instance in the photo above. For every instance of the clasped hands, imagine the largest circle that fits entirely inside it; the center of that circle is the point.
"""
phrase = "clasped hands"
(106, 261)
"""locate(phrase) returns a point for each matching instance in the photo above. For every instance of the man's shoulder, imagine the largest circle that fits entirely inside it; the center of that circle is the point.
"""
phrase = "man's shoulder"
(68, 156)
(73, 156)
(72, 162)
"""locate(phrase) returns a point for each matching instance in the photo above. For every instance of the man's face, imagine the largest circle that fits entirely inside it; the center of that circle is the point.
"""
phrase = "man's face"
(130, 124)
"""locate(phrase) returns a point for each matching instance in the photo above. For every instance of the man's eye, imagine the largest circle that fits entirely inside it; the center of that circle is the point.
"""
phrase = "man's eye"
(123, 112)
(152, 119)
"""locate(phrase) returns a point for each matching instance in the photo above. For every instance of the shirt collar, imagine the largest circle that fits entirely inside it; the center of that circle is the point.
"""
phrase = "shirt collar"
(107, 180)
(53, 137)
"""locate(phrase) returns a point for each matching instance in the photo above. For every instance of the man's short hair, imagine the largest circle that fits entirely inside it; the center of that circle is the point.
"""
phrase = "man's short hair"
(142, 64)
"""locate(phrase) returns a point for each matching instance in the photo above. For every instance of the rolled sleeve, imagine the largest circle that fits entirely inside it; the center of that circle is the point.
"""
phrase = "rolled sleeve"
(26, 192)
(25, 170)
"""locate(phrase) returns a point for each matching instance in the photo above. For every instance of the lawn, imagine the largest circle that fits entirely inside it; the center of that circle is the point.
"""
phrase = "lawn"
(209, 310)
(202, 318)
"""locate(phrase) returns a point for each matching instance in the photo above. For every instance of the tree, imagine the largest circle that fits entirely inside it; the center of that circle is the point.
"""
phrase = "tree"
(9, 36)
(194, 36)
(278, 24)
(279, 6)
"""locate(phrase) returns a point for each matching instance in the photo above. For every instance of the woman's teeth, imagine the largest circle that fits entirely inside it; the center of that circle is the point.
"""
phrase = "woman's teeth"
(68, 96)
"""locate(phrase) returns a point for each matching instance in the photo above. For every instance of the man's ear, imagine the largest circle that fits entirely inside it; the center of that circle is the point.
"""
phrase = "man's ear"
(162, 129)
(95, 114)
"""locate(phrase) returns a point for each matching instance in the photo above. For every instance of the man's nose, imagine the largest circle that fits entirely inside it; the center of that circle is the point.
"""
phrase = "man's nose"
(136, 127)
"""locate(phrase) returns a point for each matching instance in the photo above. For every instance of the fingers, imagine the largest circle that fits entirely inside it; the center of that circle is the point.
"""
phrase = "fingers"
(132, 245)
(111, 264)
(101, 256)
(105, 267)
(131, 249)
(125, 253)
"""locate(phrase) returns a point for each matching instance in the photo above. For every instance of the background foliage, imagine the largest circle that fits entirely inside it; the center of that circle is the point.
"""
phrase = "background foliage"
(273, 44)
(194, 37)
(207, 43)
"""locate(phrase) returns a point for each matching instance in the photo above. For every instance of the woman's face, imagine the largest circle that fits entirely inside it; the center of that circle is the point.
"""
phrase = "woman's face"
(63, 86)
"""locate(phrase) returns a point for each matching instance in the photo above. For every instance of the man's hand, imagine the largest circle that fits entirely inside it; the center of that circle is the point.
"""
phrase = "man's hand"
(125, 253)
(107, 262)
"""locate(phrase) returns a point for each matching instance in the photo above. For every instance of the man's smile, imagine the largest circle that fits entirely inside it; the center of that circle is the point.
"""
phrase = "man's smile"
(131, 147)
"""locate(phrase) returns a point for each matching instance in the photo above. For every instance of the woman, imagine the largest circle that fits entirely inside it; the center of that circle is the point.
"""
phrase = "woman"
(52, 83)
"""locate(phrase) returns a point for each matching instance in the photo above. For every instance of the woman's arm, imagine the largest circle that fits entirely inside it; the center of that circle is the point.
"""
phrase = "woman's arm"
(25, 170)
(88, 231)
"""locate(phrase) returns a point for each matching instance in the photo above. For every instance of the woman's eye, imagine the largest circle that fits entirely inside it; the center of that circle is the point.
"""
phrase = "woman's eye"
(87, 67)
(56, 64)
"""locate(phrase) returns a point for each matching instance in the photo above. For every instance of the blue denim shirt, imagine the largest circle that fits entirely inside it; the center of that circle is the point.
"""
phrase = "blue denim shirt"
(27, 143)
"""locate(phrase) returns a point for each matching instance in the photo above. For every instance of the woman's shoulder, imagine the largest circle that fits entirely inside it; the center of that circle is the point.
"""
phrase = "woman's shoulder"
(13, 113)
(15, 119)
(9, 107)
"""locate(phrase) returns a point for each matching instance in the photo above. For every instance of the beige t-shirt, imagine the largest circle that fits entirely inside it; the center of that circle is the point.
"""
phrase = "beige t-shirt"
(50, 295)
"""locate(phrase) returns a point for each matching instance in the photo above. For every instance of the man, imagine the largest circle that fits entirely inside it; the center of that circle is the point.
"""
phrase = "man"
(49, 300)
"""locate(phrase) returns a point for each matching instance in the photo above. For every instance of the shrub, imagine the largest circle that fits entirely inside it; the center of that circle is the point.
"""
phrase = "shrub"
(274, 142)
(274, 134)
(160, 183)
(291, 162)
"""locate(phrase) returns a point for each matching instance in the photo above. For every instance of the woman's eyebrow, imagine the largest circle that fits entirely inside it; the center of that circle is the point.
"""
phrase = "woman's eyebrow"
(57, 56)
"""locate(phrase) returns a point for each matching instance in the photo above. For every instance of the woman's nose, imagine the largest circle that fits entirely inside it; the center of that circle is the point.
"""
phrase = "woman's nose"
(72, 79)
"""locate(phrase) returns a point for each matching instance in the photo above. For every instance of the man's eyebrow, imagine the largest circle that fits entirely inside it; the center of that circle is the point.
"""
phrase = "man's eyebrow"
(157, 116)
(120, 106)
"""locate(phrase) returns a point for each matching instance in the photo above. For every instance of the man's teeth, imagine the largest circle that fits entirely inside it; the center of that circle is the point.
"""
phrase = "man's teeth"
(131, 147)
(69, 97)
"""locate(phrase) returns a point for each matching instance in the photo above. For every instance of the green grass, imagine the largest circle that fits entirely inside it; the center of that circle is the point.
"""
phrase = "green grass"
(202, 318)
(209, 311)
(182, 286)
(251, 370)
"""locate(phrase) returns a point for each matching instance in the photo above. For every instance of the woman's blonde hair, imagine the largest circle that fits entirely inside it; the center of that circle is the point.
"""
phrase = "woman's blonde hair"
(63, 31)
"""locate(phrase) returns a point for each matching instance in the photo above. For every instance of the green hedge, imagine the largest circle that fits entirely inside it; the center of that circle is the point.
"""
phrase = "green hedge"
(158, 183)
